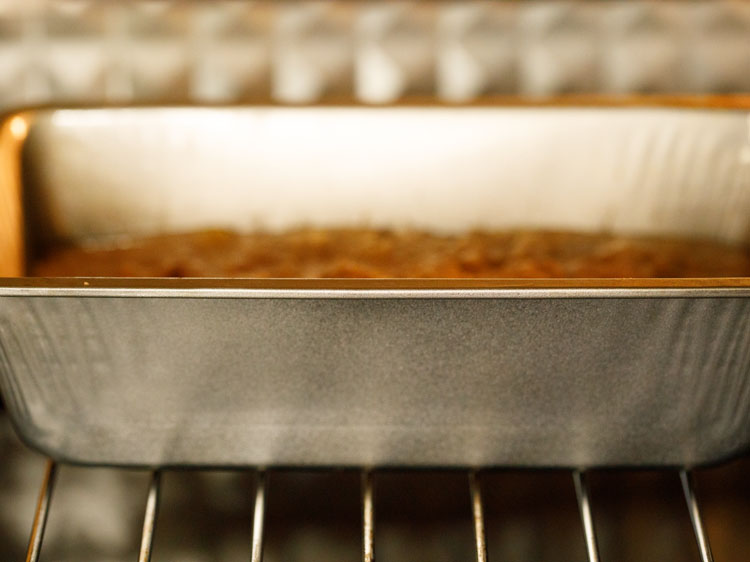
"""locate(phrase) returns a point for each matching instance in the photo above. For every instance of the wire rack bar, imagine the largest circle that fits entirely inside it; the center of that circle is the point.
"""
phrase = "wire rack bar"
(42, 509)
(475, 492)
(149, 519)
(368, 517)
(584, 506)
(686, 478)
(259, 514)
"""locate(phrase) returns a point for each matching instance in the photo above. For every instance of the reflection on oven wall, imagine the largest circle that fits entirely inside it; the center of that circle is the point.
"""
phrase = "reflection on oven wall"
(88, 51)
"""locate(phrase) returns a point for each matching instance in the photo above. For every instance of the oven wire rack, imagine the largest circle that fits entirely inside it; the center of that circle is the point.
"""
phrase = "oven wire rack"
(368, 480)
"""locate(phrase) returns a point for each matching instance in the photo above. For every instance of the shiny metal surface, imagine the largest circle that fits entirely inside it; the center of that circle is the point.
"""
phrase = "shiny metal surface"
(531, 514)
(475, 493)
(358, 373)
(686, 479)
(259, 514)
(289, 381)
(368, 517)
(628, 169)
(42, 510)
(584, 506)
(303, 53)
(149, 520)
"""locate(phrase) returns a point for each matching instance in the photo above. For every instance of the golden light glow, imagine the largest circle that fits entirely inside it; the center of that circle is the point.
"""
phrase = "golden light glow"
(19, 127)
(12, 251)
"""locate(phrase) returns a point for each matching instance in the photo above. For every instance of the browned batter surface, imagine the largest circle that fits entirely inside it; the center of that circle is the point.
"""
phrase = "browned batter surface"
(388, 253)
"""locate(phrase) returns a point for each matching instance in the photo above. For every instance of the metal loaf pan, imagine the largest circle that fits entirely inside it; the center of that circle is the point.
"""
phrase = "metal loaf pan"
(155, 372)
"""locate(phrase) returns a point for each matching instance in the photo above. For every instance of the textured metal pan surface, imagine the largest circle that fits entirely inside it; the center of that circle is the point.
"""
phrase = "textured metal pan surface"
(460, 381)
(212, 372)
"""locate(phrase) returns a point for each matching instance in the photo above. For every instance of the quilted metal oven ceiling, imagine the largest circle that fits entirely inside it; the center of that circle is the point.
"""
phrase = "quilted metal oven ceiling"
(375, 52)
